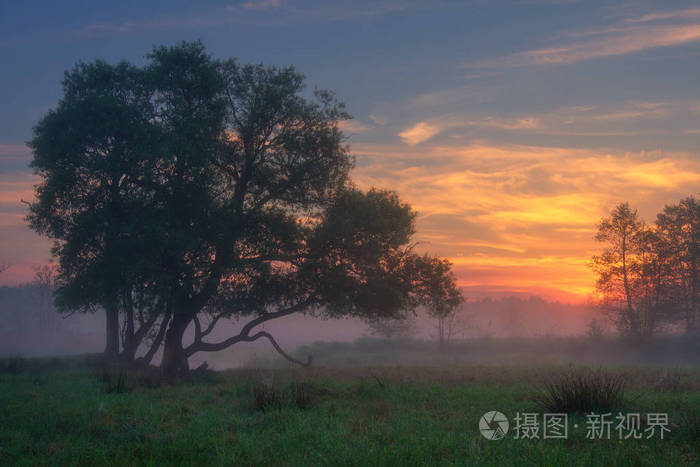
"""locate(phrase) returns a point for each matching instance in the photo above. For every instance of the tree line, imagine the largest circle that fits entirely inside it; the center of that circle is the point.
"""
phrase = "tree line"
(648, 275)
(192, 190)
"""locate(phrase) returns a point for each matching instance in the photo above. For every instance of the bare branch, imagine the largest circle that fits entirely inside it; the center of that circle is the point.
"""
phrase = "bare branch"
(211, 325)
(158, 340)
(244, 334)
(279, 349)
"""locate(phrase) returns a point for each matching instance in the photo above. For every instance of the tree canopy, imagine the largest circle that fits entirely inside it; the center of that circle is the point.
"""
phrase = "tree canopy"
(648, 275)
(193, 190)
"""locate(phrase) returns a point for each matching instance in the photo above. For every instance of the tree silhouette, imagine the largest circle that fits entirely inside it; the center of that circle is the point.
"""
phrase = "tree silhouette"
(618, 267)
(201, 190)
(89, 152)
(679, 224)
(648, 275)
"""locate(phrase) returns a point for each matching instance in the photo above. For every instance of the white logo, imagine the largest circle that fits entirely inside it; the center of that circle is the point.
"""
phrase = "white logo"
(493, 425)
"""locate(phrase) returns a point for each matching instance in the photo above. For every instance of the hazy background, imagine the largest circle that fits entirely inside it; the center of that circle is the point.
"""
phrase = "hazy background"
(31, 327)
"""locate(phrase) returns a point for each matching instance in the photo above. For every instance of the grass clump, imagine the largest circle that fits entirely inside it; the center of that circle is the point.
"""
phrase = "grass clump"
(581, 391)
(300, 395)
(114, 382)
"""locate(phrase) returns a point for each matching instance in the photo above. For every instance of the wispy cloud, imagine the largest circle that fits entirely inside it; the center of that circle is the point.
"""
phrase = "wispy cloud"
(354, 127)
(419, 133)
(424, 131)
(378, 119)
(677, 14)
(664, 29)
(246, 12)
(503, 213)
(261, 4)
(623, 119)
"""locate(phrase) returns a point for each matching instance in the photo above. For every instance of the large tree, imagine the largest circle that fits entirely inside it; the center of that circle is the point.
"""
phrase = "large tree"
(89, 152)
(227, 198)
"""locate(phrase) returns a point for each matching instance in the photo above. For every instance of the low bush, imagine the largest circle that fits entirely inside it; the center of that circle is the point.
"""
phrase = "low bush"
(296, 394)
(582, 391)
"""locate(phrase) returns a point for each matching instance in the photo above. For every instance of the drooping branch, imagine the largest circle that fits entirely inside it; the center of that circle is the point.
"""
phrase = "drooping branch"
(274, 343)
(244, 335)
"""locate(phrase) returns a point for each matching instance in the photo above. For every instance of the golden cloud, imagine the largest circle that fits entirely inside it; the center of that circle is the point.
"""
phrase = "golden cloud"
(523, 216)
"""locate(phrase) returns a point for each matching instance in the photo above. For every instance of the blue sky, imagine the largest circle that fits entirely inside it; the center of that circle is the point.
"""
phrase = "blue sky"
(510, 125)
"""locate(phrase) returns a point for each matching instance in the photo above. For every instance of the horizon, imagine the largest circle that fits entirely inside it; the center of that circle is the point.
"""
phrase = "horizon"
(510, 138)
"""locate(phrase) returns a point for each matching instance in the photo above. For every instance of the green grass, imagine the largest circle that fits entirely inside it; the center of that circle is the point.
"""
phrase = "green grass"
(61, 413)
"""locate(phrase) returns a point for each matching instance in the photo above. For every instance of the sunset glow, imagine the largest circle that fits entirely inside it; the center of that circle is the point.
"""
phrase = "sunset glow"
(511, 148)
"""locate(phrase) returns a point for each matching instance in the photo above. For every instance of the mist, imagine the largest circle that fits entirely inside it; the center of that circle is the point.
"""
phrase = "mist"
(489, 330)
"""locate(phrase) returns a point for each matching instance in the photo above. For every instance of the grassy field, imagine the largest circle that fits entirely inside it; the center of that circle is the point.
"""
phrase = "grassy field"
(68, 412)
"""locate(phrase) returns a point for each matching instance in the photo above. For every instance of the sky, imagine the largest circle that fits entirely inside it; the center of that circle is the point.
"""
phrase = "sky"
(511, 126)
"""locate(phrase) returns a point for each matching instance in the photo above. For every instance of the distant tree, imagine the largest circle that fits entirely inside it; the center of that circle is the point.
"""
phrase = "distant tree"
(654, 284)
(595, 330)
(392, 328)
(205, 190)
(453, 324)
(440, 295)
(679, 225)
(618, 267)
(646, 273)
(45, 282)
(511, 316)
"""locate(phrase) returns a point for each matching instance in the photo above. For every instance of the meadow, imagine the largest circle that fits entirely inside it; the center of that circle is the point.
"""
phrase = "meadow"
(77, 411)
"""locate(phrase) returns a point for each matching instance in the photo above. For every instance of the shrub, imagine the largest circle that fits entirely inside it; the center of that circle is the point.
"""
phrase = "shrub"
(114, 382)
(299, 395)
(582, 391)
(13, 365)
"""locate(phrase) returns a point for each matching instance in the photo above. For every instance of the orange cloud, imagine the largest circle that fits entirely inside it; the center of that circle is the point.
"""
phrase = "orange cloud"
(522, 217)
(419, 133)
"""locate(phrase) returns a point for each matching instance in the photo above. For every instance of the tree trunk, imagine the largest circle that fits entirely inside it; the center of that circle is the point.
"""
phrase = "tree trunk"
(112, 331)
(157, 340)
(441, 333)
(130, 344)
(174, 358)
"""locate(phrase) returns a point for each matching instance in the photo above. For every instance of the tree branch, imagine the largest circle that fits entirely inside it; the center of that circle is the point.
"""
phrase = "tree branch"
(158, 340)
(274, 343)
(210, 326)
(244, 334)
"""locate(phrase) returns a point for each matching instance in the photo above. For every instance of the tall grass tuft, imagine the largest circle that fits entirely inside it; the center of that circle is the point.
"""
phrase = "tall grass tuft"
(581, 391)
(296, 394)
